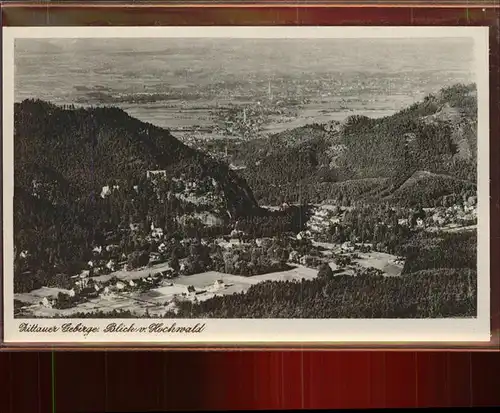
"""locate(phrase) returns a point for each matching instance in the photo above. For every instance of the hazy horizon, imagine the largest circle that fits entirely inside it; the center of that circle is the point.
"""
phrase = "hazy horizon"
(379, 75)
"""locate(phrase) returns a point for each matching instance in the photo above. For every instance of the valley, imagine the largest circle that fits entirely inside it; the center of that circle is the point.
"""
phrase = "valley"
(156, 224)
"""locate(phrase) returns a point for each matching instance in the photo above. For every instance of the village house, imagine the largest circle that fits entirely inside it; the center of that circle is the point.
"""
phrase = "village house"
(469, 208)
(285, 206)
(107, 190)
(303, 235)
(154, 257)
(305, 260)
(293, 256)
(218, 284)
(134, 226)
(156, 174)
(112, 248)
(322, 219)
(82, 283)
(404, 222)
(322, 213)
(438, 219)
(472, 200)
(156, 232)
(119, 285)
(111, 265)
(235, 234)
(106, 292)
(47, 303)
(347, 247)
(168, 273)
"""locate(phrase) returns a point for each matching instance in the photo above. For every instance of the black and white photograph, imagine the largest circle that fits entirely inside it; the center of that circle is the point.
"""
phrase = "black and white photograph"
(258, 184)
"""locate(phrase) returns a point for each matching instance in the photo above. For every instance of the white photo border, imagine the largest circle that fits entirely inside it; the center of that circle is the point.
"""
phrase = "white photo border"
(262, 331)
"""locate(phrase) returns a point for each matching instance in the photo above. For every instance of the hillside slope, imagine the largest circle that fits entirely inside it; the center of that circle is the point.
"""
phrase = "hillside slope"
(437, 135)
(81, 180)
(92, 148)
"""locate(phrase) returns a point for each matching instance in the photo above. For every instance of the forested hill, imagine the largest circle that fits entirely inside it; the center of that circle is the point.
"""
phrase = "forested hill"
(81, 180)
(75, 152)
(437, 135)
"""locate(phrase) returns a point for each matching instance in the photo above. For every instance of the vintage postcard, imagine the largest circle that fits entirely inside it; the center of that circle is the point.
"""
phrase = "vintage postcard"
(245, 185)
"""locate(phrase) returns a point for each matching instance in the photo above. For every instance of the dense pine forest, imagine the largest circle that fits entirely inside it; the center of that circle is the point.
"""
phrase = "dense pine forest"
(372, 159)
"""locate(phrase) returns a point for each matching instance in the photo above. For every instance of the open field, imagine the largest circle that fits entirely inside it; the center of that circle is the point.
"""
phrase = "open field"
(374, 259)
(453, 228)
(328, 246)
(158, 300)
(197, 287)
(105, 304)
(35, 296)
(381, 261)
(134, 274)
(296, 274)
(208, 278)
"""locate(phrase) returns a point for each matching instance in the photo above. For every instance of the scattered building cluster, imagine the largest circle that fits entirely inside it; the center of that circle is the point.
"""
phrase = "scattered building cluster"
(323, 217)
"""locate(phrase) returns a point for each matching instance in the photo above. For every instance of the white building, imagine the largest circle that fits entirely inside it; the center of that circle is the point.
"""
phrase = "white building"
(236, 234)
(293, 256)
(82, 283)
(218, 284)
(46, 303)
(119, 285)
(403, 222)
(110, 265)
(112, 248)
(156, 174)
(157, 233)
(347, 247)
(105, 192)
